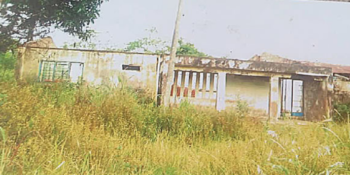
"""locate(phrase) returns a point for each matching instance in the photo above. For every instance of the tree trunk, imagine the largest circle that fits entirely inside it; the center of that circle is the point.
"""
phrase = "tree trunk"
(30, 34)
(169, 65)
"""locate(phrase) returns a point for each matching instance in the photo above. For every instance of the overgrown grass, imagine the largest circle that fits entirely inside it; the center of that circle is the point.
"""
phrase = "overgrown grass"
(63, 129)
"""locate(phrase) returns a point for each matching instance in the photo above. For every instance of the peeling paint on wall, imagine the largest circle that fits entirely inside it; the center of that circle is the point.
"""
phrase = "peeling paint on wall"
(214, 82)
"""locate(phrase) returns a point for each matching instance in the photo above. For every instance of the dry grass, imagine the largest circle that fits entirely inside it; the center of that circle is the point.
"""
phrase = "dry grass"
(58, 129)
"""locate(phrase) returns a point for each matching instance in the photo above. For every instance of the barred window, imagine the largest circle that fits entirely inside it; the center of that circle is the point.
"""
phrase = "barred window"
(57, 71)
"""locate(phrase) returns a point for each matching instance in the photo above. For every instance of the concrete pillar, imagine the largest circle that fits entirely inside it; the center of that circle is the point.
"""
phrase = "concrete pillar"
(204, 85)
(275, 98)
(329, 90)
(211, 89)
(221, 92)
(190, 80)
(182, 86)
(197, 84)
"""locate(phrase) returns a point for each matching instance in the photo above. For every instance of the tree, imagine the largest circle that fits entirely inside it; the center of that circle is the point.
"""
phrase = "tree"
(82, 44)
(7, 43)
(189, 49)
(148, 44)
(153, 44)
(24, 20)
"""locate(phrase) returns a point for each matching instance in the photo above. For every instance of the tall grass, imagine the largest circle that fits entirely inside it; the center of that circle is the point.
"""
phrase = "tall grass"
(63, 129)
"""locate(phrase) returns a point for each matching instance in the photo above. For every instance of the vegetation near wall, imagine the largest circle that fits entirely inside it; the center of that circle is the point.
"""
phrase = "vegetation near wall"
(60, 128)
(7, 65)
(64, 129)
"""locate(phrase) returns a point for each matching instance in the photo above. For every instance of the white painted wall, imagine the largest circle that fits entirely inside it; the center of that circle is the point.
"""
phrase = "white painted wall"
(254, 90)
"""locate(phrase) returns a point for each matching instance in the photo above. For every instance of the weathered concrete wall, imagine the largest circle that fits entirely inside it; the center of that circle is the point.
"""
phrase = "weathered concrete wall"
(342, 86)
(100, 67)
(275, 98)
(254, 90)
(341, 90)
(316, 101)
(221, 63)
(315, 109)
(194, 88)
(252, 81)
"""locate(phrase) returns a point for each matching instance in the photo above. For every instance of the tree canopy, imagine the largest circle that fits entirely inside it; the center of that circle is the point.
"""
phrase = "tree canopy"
(152, 44)
(186, 48)
(148, 44)
(7, 43)
(25, 19)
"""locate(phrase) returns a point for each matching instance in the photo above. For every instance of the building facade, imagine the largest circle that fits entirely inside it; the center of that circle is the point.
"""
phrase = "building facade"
(270, 89)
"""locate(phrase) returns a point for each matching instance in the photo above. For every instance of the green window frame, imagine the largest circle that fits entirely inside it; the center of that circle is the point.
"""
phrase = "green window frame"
(58, 71)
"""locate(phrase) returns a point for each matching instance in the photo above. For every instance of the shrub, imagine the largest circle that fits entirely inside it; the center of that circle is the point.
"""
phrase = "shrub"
(341, 112)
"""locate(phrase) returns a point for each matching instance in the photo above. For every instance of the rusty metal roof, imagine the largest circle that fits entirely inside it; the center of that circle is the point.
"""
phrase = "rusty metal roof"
(275, 58)
(335, 68)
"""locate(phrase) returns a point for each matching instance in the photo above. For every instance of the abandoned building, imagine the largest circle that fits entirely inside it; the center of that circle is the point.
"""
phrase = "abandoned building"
(271, 88)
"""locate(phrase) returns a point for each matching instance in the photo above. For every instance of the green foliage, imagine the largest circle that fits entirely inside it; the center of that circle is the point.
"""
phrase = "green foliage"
(156, 45)
(3, 151)
(147, 44)
(80, 45)
(7, 65)
(91, 44)
(242, 108)
(64, 129)
(7, 43)
(341, 112)
(25, 19)
(188, 49)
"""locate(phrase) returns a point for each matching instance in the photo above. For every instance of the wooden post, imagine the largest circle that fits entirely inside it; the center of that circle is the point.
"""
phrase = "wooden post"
(175, 86)
(168, 71)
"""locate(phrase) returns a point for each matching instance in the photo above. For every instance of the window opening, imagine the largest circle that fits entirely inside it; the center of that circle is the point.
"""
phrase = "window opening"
(186, 85)
(48, 71)
(131, 67)
(215, 85)
(194, 81)
(55, 71)
(207, 89)
(76, 72)
(61, 71)
(200, 93)
(292, 98)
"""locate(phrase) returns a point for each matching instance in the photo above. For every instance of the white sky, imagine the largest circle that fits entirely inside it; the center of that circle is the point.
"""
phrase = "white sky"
(301, 30)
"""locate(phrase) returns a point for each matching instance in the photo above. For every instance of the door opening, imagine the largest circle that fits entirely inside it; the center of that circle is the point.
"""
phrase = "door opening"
(292, 98)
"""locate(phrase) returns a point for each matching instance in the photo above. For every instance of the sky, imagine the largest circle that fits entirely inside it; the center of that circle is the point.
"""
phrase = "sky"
(301, 30)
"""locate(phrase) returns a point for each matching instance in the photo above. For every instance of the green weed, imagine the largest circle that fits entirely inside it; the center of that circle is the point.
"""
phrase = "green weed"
(64, 129)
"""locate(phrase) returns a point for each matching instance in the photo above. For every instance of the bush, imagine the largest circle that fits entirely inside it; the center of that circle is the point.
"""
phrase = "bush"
(118, 111)
(7, 65)
(341, 112)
